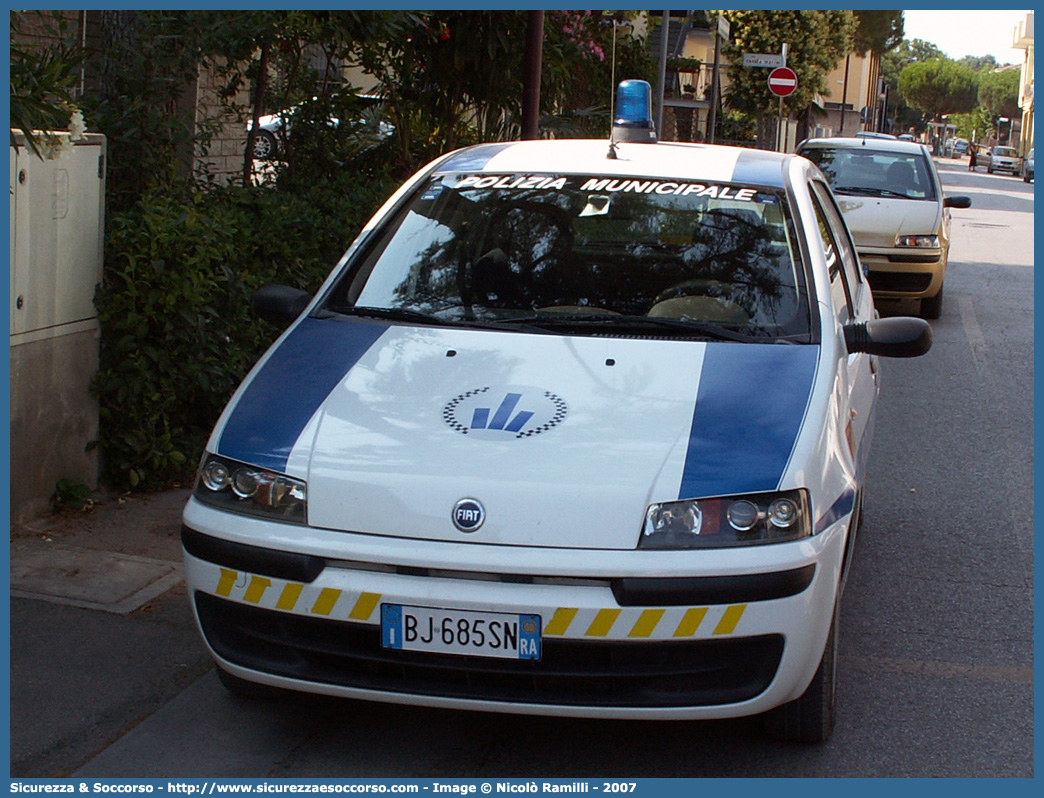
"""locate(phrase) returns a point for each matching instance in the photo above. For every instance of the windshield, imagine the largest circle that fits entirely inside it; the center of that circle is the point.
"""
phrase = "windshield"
(866, 171)
(577, 251)
(1007, 152)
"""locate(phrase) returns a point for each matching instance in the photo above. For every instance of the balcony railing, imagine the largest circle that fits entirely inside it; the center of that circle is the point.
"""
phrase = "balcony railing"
(688, 84)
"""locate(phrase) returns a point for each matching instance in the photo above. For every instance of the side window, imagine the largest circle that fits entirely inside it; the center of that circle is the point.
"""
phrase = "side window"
(839, 290)
(833, 215)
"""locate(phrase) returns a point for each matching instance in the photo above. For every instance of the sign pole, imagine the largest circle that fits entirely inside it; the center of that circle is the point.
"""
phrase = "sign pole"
(722, 33)
(779, 121)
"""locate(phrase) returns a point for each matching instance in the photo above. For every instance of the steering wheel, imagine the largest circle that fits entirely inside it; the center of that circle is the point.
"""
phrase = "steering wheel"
(695, 287)
(702, 299)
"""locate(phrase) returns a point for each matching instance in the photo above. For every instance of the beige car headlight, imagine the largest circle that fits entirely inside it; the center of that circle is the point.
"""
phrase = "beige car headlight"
(922, 242)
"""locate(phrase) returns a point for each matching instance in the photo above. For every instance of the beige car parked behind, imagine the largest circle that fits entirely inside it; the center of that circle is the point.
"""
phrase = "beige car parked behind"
(893, 204)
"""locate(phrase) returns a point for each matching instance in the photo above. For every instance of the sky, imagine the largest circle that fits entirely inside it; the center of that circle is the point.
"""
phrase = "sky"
(961, 33)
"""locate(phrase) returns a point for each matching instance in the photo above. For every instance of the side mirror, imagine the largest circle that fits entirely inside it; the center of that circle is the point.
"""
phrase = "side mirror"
(280, 304)
(900, 336)
(956, 202)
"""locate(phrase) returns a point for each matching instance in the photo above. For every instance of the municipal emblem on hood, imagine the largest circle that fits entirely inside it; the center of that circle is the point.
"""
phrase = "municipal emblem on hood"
(512, 411)
(468, 515)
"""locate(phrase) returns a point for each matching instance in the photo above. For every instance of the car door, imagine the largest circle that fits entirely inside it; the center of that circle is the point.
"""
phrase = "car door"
(853, 304)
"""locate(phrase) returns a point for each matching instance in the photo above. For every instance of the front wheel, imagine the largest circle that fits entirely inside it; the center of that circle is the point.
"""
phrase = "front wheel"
(811, 718)
(931, 306)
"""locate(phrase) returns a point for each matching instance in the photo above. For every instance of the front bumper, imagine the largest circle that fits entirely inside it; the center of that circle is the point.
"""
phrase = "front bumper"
(904, 273)
(624, 635)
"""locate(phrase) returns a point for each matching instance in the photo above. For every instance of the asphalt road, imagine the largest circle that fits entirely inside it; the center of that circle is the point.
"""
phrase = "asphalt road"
(936, 675)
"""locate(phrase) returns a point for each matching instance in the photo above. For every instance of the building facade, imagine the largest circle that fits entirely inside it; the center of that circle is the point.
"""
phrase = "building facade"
(1023, 40)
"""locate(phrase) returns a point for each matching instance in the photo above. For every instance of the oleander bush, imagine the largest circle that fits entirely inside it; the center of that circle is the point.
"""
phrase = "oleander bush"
(177, 331)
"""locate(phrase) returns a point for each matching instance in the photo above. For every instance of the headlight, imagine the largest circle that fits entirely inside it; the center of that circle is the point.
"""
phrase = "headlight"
(730, 521)
(241, 488)
(922, 242)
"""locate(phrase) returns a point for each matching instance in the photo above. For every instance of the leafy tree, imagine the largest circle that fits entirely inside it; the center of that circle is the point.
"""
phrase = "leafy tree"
(972, 125)
(878, 31)
(940, 86)
(456, 76)
(999, 92)
(920, 50)
(817, 41)
(978, 63)
(577, 80)
(893, 63)
(450, 64)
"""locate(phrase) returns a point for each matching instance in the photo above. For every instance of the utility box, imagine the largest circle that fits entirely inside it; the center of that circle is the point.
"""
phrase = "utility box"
(57, 219)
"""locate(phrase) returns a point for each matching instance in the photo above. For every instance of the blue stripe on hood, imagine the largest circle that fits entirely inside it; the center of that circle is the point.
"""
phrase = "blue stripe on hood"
(749, 410)
(277, 404)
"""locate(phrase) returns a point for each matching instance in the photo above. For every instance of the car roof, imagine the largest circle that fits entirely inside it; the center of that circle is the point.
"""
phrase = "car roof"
(881, 145)
(670, 160)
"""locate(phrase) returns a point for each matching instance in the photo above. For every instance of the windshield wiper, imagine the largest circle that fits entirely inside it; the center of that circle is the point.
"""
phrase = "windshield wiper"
(872, 192)
(418, 317)
(686, 327)
(541, 323)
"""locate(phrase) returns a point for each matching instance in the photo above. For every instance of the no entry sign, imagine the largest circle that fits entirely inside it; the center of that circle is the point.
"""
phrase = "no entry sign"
(782, 81)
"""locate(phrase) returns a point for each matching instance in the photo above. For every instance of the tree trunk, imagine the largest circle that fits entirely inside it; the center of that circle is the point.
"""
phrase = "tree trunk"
(260, 84)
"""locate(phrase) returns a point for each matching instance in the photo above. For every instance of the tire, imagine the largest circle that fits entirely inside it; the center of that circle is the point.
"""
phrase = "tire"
(241, 688)
(852, 540)
(811, 718)
(265, 147)
(931, 306)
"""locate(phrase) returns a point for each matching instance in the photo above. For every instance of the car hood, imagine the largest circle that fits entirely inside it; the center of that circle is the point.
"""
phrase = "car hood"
(876, 221)
(564, 441)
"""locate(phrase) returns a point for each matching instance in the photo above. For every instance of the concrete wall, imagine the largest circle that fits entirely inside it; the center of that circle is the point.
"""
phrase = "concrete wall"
(53, 417)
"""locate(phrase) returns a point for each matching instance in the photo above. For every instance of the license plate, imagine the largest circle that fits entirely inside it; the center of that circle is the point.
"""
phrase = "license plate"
(478, 634)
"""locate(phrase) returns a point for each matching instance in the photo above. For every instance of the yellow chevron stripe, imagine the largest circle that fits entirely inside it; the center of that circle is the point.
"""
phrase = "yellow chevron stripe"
(288, 599)
(560, 621)
(226, 582)
(602, 623)
(364, 606)
(646, 623)
(256, 589)
(727, 624)
(325, 603)
(690, 622)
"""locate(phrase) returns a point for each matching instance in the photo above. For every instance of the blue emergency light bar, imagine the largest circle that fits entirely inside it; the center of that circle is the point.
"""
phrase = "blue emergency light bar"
(633, 120)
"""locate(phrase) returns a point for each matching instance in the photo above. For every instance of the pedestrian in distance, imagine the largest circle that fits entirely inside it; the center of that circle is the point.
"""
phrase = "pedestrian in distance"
(971, 158)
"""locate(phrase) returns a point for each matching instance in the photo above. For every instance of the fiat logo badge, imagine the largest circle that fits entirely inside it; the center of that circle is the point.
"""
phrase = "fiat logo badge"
(468, 515)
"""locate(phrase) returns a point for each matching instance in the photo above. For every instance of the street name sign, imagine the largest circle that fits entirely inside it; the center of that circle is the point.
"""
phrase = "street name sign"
(762, 60)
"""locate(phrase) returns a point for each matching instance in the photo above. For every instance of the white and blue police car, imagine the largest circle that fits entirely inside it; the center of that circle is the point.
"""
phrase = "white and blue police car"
(574, 428)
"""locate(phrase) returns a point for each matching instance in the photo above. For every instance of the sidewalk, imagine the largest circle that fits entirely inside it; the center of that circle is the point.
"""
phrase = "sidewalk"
(101, 630)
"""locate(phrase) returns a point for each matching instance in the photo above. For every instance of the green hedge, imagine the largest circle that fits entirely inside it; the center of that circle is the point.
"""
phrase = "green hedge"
(177, 332)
